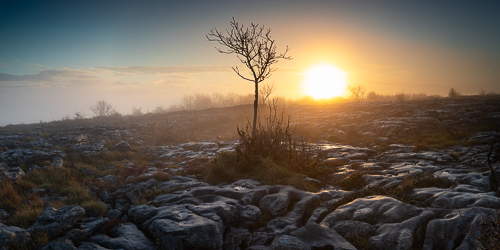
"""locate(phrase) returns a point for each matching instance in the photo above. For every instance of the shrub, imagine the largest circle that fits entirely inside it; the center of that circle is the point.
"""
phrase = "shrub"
(9, 197)
(354, 180)
(26, 214)
(94, 207)
(274, 156)
(276, 139)
(453, 93)
(102, 109)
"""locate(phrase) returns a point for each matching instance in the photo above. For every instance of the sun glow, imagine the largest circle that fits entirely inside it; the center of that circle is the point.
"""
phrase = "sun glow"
(325, 81)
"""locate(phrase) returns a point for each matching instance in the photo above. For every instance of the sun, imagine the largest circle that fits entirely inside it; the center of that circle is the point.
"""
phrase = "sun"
(325, 81)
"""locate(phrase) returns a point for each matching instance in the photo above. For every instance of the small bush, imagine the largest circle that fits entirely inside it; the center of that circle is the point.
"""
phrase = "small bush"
(94, 206)
(490, 237)
(360, 242)
(222, 169)
(26, 214)
(453, 93)
(354, 180)
(9, 197)
(39, 238)
(275, 139)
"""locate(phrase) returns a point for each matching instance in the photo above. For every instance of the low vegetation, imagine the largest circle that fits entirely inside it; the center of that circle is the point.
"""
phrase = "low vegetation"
(274, 156)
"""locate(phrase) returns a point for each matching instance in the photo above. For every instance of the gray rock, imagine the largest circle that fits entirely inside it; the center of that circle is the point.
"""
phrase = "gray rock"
(293, 219)
(250, 212)
(122, 146)
(200, 146)
(55, 221)
(107, 196)
(287, 242)
(59, 245)
(274, 204)
(111, 178)
(319, 237)
(57, 162)
(36, 190)
(113, 214)
(179, 228)
(350, 228)
(92, 246)
(124, 236)
(4, 216)
(405, 235)
(461, 196)
(88, 227)
(450, 231)
(135, 195)
(374, 210)
(91, 149)
(122, 205)
(12, 236)
(12, 173)
(236, 237)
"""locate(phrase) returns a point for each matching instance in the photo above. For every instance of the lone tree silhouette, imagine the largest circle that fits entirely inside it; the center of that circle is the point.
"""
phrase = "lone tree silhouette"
(254, 48)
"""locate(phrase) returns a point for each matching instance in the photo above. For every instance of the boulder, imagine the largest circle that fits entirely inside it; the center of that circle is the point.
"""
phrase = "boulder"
(124, 236)
(320, 237)
(408, 234)
(88, 227)
(351, 228)
(59, 245)
(122, 146)
(178, 228)
(461, 196)
(287, 242)
(374, 210)
(91, 246)
(451, 231)
(56, 221)
(12, 236)
(236, 237)
(274, 204)
(12, 173)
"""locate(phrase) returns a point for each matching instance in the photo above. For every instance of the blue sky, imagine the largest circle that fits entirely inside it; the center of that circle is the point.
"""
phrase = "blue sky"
(59, 57)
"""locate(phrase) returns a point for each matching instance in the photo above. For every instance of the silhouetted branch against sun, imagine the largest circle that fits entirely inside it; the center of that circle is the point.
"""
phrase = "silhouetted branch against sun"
(254, 47)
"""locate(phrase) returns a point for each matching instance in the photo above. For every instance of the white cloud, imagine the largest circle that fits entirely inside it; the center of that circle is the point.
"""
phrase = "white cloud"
(162, 70)
(156, 76)
(4, 64)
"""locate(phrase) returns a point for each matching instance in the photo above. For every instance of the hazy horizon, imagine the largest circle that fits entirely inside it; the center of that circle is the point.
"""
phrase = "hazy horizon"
(57, 58)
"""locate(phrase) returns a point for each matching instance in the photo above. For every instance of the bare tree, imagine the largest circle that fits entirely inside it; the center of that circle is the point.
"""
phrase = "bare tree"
(136, 111)
(357, 92)
(102, 108)
(266, 90)
(254, 48)
(453, 93)
(202, 101)
(188, 102)
(79, 115)
(217, 99)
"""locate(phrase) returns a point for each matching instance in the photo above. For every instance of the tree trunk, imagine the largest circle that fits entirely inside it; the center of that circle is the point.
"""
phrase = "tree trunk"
(255, 110)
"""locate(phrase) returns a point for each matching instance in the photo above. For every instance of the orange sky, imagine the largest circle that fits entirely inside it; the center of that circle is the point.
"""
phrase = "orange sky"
(144, 55)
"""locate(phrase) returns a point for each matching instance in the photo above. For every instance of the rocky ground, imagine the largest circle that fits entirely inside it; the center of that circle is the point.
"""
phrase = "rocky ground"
(386, 141)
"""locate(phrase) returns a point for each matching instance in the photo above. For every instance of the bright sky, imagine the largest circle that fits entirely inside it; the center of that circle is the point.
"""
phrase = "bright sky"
(59, 57)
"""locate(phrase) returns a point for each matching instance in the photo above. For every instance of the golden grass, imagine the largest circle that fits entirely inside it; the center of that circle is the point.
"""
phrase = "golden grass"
(9, 196)
(25, 215)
